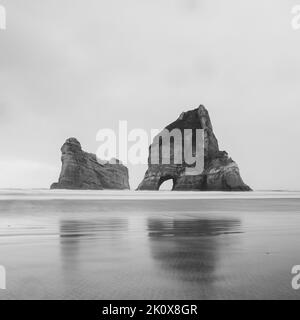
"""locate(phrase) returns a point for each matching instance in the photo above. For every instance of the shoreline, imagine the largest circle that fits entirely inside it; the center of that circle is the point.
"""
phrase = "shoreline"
(41, 194)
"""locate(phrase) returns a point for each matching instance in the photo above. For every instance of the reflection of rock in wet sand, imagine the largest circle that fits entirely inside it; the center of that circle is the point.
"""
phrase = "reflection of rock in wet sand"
(189, 249)
(83, 244)
(75, 232)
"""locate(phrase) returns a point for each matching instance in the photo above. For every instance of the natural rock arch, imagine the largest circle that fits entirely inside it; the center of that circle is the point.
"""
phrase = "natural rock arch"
(165, 179)
(220, 172)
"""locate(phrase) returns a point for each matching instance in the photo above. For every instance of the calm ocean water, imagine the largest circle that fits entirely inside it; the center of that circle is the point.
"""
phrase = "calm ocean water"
(149, 245)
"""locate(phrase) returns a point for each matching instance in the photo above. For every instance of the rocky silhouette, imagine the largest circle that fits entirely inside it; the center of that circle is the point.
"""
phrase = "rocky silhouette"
(82, 170)
(220, 172)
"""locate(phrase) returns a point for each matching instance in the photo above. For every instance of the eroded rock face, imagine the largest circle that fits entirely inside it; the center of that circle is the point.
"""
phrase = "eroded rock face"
(81, 170)
(220, 172)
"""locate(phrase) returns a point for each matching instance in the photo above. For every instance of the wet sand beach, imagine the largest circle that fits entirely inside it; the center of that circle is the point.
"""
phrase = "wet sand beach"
(113, 245)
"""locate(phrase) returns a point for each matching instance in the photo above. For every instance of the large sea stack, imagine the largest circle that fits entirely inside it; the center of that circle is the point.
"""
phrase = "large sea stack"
(83, 171)
(220, 172)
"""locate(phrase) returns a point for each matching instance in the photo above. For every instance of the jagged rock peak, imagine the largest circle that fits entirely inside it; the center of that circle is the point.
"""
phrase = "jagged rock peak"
(220, 172)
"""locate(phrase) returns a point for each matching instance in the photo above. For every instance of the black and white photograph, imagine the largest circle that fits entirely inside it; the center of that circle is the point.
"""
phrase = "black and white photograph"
(149, 152)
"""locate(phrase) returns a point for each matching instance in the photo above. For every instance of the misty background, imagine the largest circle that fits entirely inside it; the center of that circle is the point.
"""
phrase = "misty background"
(71, 67)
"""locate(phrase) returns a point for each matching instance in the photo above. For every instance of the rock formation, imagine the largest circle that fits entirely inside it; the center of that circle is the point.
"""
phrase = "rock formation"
(220, 172)
(82, 170)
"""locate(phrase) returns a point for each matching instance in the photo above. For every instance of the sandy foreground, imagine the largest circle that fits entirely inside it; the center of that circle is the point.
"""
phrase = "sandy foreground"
(149, 245)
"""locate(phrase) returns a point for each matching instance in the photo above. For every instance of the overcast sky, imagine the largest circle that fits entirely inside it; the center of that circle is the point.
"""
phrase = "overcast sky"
(71, 67)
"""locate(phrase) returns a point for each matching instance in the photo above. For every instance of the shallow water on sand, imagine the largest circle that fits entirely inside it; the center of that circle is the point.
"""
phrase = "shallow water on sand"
(106, 245)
